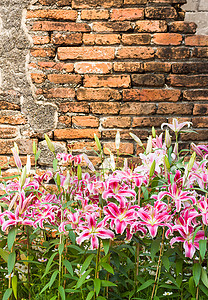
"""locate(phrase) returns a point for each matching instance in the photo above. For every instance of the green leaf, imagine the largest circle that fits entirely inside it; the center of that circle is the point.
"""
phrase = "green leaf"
(105, 283)
(53, 277)
(58, 180)
(107, 267)
(100, 298)
(106, 245)
(97, 141)
(53, 298)
(166, 262)
(55, 163)
(37, 155)
(202, 248)
(196, 273)
(204, 277)
(192, 288)
(11, 262)
(60, 249)
(97, 285)
(48, 266)
(146, 285)
(45, 288)
(72, 236)
(86, 263)
(195, 232)
(82, 278)
(14, 285)
(62, 292)
(11, 237)
(68, 266)
(4, 254)
(79, 172)
(7, 294)
(155, 248)
(90, 295)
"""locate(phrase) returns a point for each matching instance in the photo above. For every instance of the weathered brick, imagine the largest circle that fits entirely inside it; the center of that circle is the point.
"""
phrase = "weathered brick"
(40, 39)
(85, 121)
(188, 80)
(135, 52)
(8, 132)
(167, 39)
(195, 95)
(200, 109)
(134, 2)
(110, 134)
(136, 39)
(67, 120)
(61, 134)
(192, 67)
(103, 108)
(23, 159)
(74, 107)
(175, 108)
(173, 53)
(25, 146)
(151, 26)
(43, 52)
(94, 14)
(200, 135)
(65, 78)
(55, 14)
(101, 39)
(119, 122)
(112, 26)
(67, 38)
(168, 1)
(149, 95)
(101, 94)
(60, 93)
(200, 122)
(200, 52)
(3, 165)
(94, 3)
(86, 53)
(196, 40)
(183, 27)
(68, 67)
(137, 108)
(148, 121)
(12, 118)
(125, 148)
(122, 81)
(128, 67)
(127, 14)
(148, 80)
(83, 146)
(160, 13)
(38, 77)
(157, 67)
(60, 26)
(93, 67)
(57, 2)
(5, 105)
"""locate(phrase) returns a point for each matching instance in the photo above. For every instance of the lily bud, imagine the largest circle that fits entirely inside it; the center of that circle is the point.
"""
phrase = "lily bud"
(152, 169)
(23, 176)
(125, 167)
(139, 142)
(191, 161)
(149, 145)
(79, 172)
(28, 164)
(167, 138)
(167, 162)
(49, 143)
(97, 141)
(112, 162)
(66, 182)
(153, 132)
(117, 140)
(196, 149)
(34, 148)
(15, 152)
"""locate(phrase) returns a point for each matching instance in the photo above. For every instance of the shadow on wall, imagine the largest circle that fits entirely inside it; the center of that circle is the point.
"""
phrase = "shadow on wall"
(197, 11)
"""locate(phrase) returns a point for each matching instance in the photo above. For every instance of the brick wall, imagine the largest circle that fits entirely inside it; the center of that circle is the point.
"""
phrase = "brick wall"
(98, 67)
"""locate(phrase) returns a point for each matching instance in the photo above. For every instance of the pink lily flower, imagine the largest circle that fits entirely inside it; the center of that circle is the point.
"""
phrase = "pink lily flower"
(93, 231)
(202, 205)
(16, 219)
(175, 126)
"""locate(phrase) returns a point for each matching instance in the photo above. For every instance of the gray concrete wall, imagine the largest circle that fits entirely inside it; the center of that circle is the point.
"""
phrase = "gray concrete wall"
(197, 11)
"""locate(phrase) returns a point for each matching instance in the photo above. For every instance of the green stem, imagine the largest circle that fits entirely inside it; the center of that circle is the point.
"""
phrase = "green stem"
(97, 266)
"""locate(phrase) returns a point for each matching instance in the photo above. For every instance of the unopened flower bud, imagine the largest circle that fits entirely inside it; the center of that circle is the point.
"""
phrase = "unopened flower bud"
(152, 169)
(191, 161)
(149, 145)
(153, 132)
(167, 162)
(139, 142)
(97, 141)
(167, 138)
(117, 140)
(23, 176)
(49, 143)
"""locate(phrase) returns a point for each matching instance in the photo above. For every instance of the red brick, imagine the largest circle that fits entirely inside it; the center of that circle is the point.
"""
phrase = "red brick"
(85, 121)
(67, 120)
(94, 3)
(60, 134)
(200, 109)
(132, 108)
(173, 53)
(110, 134)
(167, 39)
(60, 26)
(86, 53)
(83, 146)
(196, 40)
(150, 95)
(200, 122)
(128, 67)
(151, 26)
(200, 52)
(157, 67)
(38, 77)
(60, 93)
(196, 95)
(120, 122)
(5, 105)
(168, 1)
(200, 135)
(65, 78)
(148, 80)
(104, 108)
(74, 107)
(121, 81)
(188, 80)
(57, 2)
(43, 52)
(101, 94)
(134, 2)
(135, 52)
(25, 146)
(8, 132)
(192, 67)
(41, 39)
(125, 148)
(136, 39)
(148, 121)
(69, 67)
(93, 67)
(127, 14)
(183, 27)
(3, 165)
(54, 14)
(101, 39)
(94, 14)
(67, 38)
(160, 13)
(111, 26)
(12, 118)
(175, 108)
